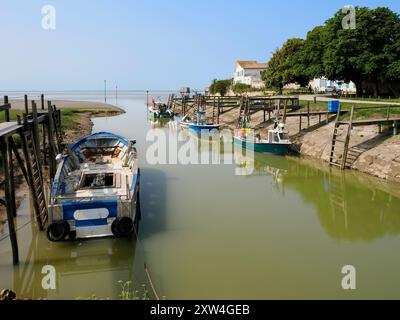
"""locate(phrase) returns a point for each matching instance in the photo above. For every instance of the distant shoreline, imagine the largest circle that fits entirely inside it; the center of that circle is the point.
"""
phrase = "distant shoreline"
(62, 104)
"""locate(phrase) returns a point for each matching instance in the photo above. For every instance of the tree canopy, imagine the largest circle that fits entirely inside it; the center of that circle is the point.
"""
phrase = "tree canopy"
(220, 86)
(368, 55)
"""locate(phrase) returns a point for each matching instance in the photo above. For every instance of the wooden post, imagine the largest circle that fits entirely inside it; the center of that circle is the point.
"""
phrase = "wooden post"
(35, 128)
(300, 124)
(26, 104)
(50, 131)
(7, 111)
(218, 111)
(10, 217)
(284, 111)
(308, 114)
(388, 113)
(42, 101)
(11, 166)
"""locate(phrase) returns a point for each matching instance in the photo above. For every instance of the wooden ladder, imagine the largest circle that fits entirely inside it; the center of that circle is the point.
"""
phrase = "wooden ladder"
(337, 193)
(243, 111)
(35, 178)
(341, 163)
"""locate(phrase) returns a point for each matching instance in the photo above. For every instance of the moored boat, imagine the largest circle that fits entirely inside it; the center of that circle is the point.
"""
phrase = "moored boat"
(185, 121)
(96, 189)
(160, 110)
(277, 141)
(202, 123)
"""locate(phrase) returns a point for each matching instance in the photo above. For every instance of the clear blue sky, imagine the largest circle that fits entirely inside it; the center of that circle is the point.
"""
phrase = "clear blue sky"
(158, 44)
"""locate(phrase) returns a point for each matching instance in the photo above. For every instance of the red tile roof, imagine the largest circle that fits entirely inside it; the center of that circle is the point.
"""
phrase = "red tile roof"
(251, 64)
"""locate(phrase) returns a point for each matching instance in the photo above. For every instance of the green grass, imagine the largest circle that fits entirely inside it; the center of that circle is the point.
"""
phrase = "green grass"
(371, 99)
(368, 110)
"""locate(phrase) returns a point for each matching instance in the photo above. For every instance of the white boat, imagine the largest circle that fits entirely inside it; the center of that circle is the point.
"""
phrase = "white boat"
(96, 189)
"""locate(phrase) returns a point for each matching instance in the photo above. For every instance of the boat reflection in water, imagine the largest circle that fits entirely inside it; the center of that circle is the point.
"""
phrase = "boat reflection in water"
(81, 269)
(348, 204)
(161, 123)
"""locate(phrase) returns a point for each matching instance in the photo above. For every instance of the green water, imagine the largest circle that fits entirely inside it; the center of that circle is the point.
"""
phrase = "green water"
(285, 231)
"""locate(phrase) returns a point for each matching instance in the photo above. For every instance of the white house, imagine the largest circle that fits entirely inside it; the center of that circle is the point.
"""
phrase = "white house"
(321, 84)
(249, 72)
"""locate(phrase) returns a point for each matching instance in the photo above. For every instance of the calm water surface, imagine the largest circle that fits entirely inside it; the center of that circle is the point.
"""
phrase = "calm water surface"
(285, 231)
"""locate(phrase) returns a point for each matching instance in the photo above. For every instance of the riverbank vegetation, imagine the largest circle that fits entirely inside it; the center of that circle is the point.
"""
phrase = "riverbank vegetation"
(367, 53)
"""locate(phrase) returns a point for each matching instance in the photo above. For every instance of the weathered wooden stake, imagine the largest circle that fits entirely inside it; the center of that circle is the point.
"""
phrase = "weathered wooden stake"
(26, 104)
(35, 128)
(10, 217)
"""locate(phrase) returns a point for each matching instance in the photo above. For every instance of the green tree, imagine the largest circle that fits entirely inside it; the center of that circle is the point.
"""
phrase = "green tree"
(368, 55)
(220, 86)
(241, 88)
(285, 66)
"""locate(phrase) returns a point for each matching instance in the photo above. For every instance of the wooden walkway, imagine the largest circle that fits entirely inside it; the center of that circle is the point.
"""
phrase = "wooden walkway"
(39, 147)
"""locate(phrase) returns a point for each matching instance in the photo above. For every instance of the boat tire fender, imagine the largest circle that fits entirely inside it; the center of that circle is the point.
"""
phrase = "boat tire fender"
(58, 231)
(122, 227)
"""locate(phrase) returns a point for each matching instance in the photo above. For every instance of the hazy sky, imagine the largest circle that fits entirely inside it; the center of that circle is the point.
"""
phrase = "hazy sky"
(147, 44)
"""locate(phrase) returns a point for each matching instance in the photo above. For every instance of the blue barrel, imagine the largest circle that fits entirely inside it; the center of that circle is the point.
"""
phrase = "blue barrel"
(333, 106)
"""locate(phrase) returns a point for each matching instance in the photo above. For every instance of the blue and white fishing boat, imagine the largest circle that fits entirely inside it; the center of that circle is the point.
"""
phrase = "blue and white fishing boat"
(96, 189)
(202, 123)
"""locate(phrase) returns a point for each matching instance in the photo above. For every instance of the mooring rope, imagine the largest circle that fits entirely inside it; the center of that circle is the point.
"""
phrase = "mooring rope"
(146, 269)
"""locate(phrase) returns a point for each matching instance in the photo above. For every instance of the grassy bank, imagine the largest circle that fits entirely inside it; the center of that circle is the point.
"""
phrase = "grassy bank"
(362, 110)
(371, 99)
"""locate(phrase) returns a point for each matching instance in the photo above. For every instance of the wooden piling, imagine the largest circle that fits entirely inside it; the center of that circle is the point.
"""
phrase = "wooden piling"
(42, 101)
(308, 114)
(11, 166)
(9, 206)
(52, 148)
(35, 129)
(26, 104)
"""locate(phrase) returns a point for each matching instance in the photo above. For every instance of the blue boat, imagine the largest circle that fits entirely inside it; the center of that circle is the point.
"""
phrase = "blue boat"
(277, 142)
(202, 125)
(96, 189)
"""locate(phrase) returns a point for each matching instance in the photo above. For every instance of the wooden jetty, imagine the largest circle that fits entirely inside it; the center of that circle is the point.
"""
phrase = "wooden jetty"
(346, 154)
(246, 105)
(41, 141)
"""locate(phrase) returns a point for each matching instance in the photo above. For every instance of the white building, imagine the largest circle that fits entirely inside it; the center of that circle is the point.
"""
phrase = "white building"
(249, 72)
(321, 84)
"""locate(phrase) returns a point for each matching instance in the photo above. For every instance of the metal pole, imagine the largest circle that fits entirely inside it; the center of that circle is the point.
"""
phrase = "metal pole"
(105, 91)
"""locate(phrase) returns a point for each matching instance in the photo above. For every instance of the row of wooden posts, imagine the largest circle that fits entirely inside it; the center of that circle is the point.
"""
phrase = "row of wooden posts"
(40, 147)
(221, 105)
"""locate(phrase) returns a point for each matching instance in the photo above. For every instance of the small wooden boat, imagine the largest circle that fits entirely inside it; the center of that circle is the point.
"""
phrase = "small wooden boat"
(96, 189)
(202, 124)
(277, 142)
(160, 110)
